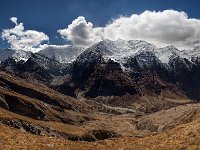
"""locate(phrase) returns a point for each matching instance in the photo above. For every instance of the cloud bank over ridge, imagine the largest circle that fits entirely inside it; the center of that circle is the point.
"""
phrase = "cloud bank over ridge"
(162, 28)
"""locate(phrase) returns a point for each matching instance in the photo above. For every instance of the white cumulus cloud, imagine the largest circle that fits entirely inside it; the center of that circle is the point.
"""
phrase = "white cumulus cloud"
(162, 28)
(81, 32)
(27, 40)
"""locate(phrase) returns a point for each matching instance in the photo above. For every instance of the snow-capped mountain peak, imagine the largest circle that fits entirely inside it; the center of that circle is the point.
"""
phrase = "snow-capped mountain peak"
(120, 50)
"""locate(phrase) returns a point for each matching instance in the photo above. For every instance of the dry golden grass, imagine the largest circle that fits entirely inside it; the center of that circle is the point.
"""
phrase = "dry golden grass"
(183, 137)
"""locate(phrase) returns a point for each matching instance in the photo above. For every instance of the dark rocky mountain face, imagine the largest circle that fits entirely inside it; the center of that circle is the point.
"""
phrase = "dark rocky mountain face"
(96, 76)
(85, 64)
(147, 63)
(108, 79)
(186, 76)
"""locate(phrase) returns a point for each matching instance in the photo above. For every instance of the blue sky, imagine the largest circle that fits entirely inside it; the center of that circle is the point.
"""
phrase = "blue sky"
(50, 15)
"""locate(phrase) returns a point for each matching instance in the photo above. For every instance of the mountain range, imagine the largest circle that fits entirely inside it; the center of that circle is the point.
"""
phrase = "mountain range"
(116, 50)
(124, 91)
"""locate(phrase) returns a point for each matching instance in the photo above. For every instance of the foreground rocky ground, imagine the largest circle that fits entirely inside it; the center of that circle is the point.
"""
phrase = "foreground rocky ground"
(174, 136)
